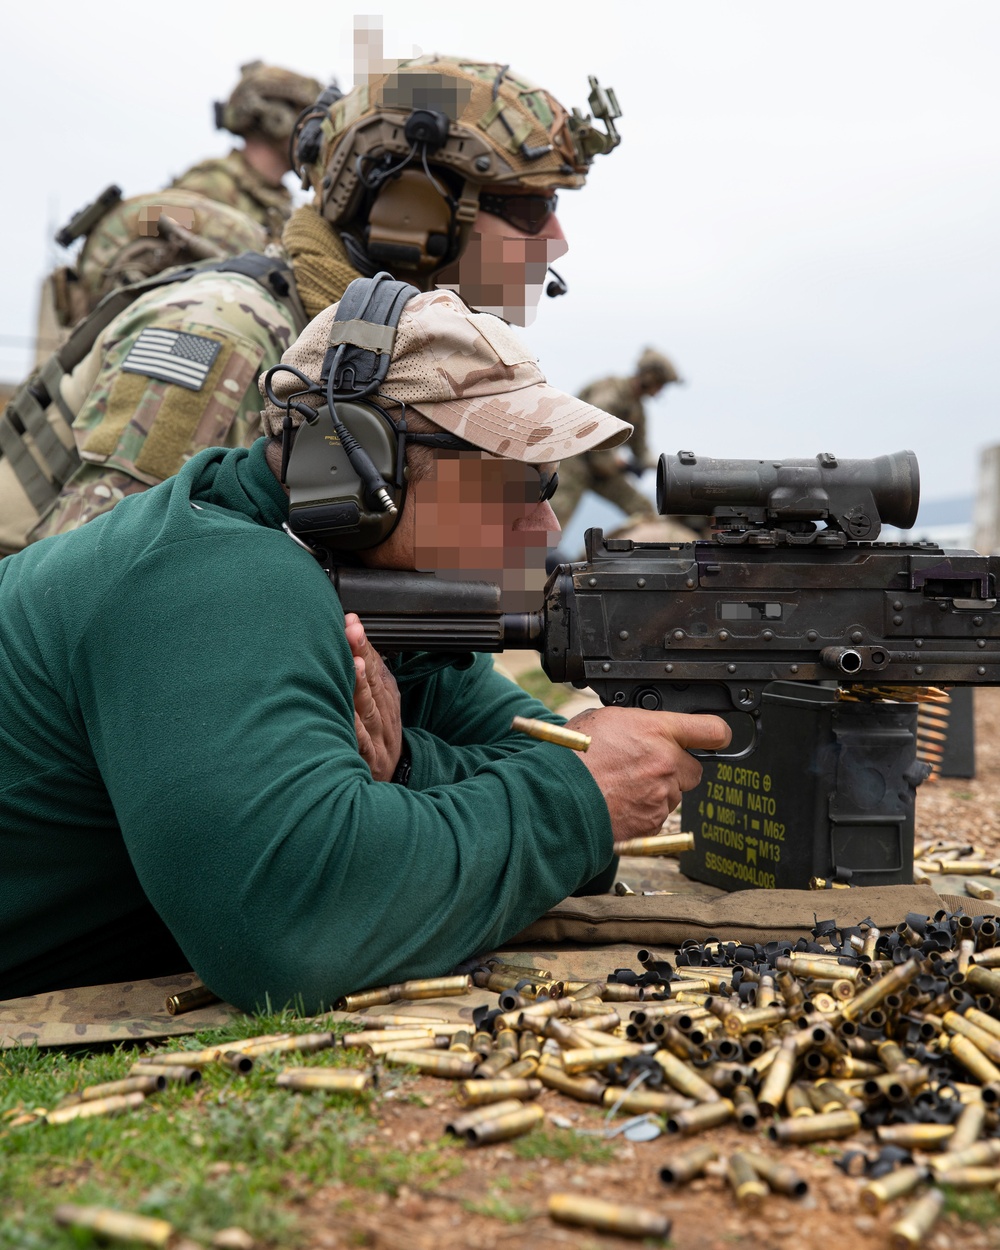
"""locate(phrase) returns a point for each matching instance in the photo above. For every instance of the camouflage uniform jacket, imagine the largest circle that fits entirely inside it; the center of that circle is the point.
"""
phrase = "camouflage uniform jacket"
(175, 373)
(233, 180)
(615, 395)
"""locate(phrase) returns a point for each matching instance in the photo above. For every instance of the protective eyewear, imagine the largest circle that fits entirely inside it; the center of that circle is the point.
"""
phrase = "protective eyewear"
(548, 482)
(528, 213)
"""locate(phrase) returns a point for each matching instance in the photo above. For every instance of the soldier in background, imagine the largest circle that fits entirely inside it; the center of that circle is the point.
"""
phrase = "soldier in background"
(261, 111)
(605, 472)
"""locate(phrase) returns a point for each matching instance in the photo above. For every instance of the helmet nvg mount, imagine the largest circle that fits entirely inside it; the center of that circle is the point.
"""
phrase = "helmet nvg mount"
(398, 163)
(266, 101)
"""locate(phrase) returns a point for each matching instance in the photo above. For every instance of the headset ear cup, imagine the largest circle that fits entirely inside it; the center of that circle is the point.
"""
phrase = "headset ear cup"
(327, 503)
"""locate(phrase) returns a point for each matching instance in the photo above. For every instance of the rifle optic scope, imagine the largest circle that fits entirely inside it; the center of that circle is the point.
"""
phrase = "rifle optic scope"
(855, 496)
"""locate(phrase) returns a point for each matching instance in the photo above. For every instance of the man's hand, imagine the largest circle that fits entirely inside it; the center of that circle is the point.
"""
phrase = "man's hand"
(642, 764)
(377, 720)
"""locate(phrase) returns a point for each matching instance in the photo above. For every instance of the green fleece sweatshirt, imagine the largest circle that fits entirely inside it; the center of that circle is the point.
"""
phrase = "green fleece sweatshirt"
(179, 769)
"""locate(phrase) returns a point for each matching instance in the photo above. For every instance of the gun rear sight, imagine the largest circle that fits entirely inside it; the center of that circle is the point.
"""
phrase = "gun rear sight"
(766, 502)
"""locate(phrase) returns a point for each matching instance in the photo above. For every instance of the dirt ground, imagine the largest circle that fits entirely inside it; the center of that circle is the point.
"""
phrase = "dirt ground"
(495, 1197)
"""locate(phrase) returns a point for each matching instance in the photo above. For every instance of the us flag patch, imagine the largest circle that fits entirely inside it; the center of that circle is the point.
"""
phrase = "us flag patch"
(171, 356)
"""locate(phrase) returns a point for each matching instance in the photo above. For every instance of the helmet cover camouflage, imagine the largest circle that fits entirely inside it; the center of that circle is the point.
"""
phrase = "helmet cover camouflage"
(657, 365)
(266, 101)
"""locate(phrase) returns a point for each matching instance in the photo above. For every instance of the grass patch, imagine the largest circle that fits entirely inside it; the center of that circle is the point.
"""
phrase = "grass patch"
(562, 1145)
(539, 687)
(231, 1150)
(980, 1206)
(496, 1207)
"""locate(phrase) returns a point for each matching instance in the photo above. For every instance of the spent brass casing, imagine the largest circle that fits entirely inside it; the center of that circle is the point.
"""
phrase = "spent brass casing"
(816, 967)
(480, 1093)
(371, 1036)
(461, 1041)
(660, 844)
(529, 1045)
(980, 1154)
(482, 1043)
(790, 990)
(847, 1067)
(377, 1049)
(817, 1127)
(976, 889)
(920, 1136)
(523, 1069)
(777, 1080)
(968, 1178)
(639, 1101)
(115, 1225)
(916, 1222)
(583, 1089)
(747, 1110)
(336, 1080)
(981, 1038)
(97, 1106)
(891, 1055)
(877, 1193)
(432, 1063)
(797, 1100)
(685, 1079)
(984, 1021)
(705, 1115)
(502, 1127)
(781, 1177)
(130, 1085)
(684, 1167)
(608, 1217)
(459, 1123)
(586, 1060)
(401, 1021)
(766, 991)
(190, 1000)
(616, 992)
(544, 732)
(738, 1022)
(896, 979)
(744, 1181)
(968, 1127)
(494, 1064)
(524, 970)
(973, 1060)
(980, 977)
(173, 1073)
(432, 987)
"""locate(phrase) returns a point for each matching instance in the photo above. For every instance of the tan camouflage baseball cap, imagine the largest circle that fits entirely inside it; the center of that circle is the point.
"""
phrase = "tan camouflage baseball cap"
(471, 375)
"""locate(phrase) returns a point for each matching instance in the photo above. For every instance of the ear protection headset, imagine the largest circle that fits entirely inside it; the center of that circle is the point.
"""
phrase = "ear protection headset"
(345, 466)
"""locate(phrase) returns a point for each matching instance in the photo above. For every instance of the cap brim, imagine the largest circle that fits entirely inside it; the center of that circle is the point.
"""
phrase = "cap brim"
(536, 424)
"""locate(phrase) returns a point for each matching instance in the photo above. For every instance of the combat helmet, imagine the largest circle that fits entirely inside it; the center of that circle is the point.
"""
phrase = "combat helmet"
(658, 367)
(398, 164)
(138, 237)
(266, 101)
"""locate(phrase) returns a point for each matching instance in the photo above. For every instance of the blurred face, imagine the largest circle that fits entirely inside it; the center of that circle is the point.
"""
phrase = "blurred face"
(474, 517)
(503, 267)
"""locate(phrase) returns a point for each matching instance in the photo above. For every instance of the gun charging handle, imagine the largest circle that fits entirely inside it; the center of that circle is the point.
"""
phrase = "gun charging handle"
(856, 497)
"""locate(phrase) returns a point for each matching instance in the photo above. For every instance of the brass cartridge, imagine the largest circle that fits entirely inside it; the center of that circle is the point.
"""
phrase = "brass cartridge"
(190, 1000)
(589, 1009)
(738, 1022)
(479, 1093)
(968, 1127)
(870, 942)
(790, 990)
(660, 844)
(968, 1178)
(96, 1106)
(797, 1100)
(130, 1085)
(744, 1181)
(115, 1225)
(433, 987)
(461, 1042)
(980, 977)
(602, 1021)
(983, 1021)
(685, 1079)
(980, 1154)
(377, 1049)
(432, 1063)
(916, 1222)
(891, 1055)
(482, 1043)
(803, 965)
(608, 1217)
(335, 1080)
(502, 1127)
(977, 890)
(966, 949)
(544, 732)
(524, 970)
(896, 979)
(973, 1060)
(914, 1136)
(705, 1115)
(637, 1101)
(747, 1111)
(586, 1060)
(370, 1036)
(583, 1089)
(817, 1127)
(766, 991)
(877, 1193)
(684, 1167)
(404, 1022)
(777, 1080)
(781, 1177)
(529, 1045)
(173, 1073)
(522, 1070)
(488, 1111)
(846, 1067)
(981, 1038)
(494, 1063)
(614, 992)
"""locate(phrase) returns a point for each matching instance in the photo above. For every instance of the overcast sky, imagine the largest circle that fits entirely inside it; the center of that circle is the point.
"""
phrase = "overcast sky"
(803, 210)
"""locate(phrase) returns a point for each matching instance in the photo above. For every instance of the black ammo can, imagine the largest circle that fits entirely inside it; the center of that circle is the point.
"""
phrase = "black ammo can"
(828, 792)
